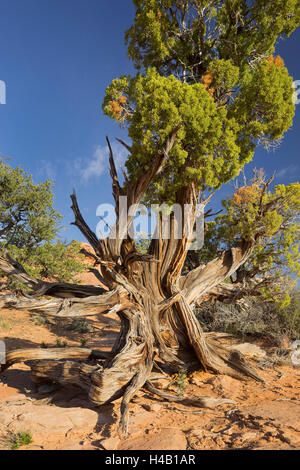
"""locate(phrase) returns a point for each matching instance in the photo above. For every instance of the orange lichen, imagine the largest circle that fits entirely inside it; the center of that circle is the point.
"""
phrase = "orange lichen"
(116, 106)
(122, 99)
(207, 79)
(246, 195)
(278, 61)
(116, 109)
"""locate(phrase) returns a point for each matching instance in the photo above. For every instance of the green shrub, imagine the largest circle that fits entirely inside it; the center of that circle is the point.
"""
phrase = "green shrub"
(19, 439)
(4, 324)
(80, 325)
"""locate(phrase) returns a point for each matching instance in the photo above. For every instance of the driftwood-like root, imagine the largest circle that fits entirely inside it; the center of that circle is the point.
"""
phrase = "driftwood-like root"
(211, 353)
(63, 372)
(24, 355)
(200, 402)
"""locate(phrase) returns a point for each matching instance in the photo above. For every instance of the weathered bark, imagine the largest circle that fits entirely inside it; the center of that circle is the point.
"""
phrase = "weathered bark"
(24, 355)
(75, 307)
(152, 299)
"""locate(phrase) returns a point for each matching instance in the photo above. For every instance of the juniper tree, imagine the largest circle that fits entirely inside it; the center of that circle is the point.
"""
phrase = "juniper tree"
(29, 227)
(209, 89)
(270, 273)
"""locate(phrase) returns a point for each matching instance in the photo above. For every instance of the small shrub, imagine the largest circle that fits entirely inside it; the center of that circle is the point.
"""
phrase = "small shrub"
(16, 440)
(80, 325)
(39, 320)
(253, 318)
(4, 324)
(179, 381)
(61, 344)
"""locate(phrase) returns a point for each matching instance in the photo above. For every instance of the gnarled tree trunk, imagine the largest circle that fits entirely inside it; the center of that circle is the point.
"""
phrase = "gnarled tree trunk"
(150, 295)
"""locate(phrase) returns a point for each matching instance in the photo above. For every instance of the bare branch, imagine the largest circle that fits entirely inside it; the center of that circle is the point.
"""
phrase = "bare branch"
(205, 277)
(125, 145)
(82, 225)
(135, 192)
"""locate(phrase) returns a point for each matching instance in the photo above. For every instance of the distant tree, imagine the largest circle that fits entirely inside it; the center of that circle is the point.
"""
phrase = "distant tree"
(272, 269)
(29, 228)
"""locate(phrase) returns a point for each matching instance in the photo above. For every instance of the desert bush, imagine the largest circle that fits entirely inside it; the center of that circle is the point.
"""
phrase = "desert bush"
(179, 380)
(80, 325)
(4, 324)
(16, 440)
(253, 318)
(29, 230)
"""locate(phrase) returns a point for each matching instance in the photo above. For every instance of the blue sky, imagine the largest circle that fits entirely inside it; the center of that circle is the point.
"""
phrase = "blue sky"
(56, 58)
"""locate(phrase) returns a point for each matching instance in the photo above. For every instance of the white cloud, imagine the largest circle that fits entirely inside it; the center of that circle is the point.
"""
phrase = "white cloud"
(99, 162)
(288, 171)
(47, 169)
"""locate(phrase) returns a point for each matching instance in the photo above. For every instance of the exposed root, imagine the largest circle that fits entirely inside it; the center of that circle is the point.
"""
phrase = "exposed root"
(69, 307)
(210, 352)
(136, 383)
(63, 372)
(24, 355)
(200, 402)
(227, 360)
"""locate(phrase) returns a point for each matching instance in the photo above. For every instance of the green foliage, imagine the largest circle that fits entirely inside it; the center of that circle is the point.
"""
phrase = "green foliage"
(270, 217)
(179, 381)
(58, 261)
(176, 36)
(243, 218)
(4, 324)
(206, 149)
(29, 226)
(61, 344)
(27, 217)
(80, 325)
(263, 107)
(142, 243)
(256, 27)
(289, 316)
(223, 76)
(40, 320)
(19, 439)
(209, 66)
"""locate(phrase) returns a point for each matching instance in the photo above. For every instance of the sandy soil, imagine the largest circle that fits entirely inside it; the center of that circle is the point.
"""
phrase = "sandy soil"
(264, 416)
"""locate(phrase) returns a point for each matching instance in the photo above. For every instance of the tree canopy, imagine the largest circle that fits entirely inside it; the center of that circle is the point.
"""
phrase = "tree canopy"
(208, 67)
(178, 36)
(273, 267)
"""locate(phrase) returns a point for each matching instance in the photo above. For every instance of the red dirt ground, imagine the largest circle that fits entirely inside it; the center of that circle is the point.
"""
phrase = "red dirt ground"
(265, 416)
